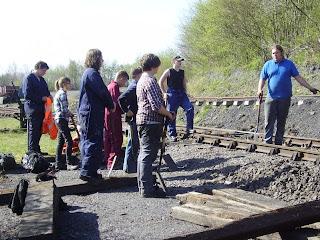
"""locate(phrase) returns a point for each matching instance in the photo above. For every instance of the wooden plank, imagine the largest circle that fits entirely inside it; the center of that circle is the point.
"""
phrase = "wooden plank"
(228, 205)
(195, 216)
(278, 220)
(37, 220)
(5, 196)
(78, 186)
(253, 199)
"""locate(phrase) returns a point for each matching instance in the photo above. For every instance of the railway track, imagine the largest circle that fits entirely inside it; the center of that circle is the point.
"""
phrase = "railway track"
(238, 100)
(295, 148)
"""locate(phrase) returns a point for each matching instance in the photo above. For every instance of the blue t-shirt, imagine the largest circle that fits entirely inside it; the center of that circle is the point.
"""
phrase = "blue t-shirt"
(279, 77)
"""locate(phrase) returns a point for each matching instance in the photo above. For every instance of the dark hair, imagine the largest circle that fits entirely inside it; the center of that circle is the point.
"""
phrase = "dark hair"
(93, 59)
(149, 61)
(135, 71)
(277, 46)
(41, 65)
(122, 74)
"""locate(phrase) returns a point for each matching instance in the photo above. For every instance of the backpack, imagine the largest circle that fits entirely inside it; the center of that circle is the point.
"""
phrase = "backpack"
(19, 196)
(34, 162)
(7, 161)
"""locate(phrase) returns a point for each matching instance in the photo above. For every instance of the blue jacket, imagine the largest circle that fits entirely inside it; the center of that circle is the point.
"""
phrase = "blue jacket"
(128, 99)
(94, 97)
(33, 90)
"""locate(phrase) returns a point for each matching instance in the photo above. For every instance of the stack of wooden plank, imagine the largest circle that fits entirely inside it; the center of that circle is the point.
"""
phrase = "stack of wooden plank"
(236, 214)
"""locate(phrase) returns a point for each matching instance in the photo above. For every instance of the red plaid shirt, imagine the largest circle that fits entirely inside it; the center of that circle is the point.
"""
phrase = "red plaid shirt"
(150, 100)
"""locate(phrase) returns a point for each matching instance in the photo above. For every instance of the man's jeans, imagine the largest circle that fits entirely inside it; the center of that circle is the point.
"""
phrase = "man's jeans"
(176, 99)
(130, 157)
(276, 109)
(149, 137)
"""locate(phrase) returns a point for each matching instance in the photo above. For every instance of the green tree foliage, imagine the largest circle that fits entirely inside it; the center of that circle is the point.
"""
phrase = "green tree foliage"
(239, 33)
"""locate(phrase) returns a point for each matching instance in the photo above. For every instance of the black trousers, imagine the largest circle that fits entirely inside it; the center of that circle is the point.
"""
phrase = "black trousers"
(64, 136)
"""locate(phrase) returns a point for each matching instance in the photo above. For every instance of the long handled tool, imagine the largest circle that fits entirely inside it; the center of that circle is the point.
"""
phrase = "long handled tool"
(258, 116)
(114, 145)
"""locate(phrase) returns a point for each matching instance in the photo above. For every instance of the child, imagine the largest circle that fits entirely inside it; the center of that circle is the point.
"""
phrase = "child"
(128, 104)
(62, 114)
(110, 150)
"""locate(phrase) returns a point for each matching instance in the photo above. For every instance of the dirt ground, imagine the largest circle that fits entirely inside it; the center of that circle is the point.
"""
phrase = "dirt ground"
(122, 214)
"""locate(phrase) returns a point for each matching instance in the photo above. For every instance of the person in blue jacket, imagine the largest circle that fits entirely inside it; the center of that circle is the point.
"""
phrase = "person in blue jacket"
(129, 105)
(35, 91)
(278, 71)
(94, 97)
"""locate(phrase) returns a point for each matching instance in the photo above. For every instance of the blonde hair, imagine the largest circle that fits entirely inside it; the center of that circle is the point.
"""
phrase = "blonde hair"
(60, 83)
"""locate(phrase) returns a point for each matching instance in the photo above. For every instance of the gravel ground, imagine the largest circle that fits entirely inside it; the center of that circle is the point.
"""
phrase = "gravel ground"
(122, 214)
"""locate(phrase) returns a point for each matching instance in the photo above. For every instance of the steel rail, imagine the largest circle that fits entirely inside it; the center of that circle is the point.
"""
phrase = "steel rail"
(295, 153)
(288, 140)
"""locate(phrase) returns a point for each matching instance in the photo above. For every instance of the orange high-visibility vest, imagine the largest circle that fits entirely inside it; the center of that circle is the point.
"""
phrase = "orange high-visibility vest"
(48, 125)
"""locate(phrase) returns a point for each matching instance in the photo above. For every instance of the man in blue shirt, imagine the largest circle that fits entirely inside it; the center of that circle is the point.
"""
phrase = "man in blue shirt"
(278, 71)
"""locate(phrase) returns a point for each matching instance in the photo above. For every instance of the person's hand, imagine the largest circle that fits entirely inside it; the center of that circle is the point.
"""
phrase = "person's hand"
(79, 129)
(173, 116)
(44, 98)
(129, 113)
(165, 96)
(314, 90)
(114, 108)
(260, 93)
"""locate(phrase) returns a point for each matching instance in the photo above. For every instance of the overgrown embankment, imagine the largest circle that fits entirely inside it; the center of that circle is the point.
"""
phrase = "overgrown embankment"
(242, 82)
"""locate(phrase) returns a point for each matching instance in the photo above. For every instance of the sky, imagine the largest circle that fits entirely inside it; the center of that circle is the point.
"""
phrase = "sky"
(58, 31)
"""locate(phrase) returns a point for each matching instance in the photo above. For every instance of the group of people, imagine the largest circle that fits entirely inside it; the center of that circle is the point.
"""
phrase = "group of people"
(146, 103)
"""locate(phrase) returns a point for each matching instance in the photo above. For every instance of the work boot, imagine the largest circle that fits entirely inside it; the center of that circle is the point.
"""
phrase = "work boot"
(96, 180)
(71, 167)
(173, 138)
(154, 194)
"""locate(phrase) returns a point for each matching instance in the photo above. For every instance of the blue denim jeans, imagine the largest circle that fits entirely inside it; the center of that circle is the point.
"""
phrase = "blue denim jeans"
(149, 137)
(276, 109)
(176, 99)
(130, 157)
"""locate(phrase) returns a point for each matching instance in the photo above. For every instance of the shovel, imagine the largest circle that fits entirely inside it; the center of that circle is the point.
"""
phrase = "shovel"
(258, 116)
(166, 157)
(114, 145)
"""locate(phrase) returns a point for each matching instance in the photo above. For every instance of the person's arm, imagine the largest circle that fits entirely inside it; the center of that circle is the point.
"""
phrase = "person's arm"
(185, 84)
(304, 83)
(164, 76)
(165, 112)
(260, 86)
(96, 84)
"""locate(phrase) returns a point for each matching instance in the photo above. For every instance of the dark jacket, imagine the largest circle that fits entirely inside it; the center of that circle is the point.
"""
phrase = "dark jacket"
(128, 99)
(94, 97)
(33, 90)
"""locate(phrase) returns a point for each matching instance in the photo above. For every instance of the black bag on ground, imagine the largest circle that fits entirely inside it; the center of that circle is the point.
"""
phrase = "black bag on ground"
(34, 162)
(19, 197)
(7, 161)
